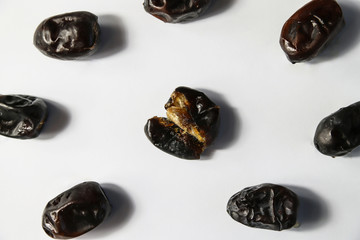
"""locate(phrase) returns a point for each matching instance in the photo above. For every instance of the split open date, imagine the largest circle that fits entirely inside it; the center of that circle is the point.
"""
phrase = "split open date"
(191, 124)
(76, 211)
(266, 206)
(68, 36)
(308, 30)
(22, 116)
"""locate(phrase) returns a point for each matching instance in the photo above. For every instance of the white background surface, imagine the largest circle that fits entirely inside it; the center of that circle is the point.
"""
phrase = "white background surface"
(270, 109)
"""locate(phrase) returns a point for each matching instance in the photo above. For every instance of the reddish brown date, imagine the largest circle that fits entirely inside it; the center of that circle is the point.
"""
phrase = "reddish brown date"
(191, 124)
(22, 116)
(68, 36)
(266, 206)
(308, 30)
(75, 211)
(174, 11)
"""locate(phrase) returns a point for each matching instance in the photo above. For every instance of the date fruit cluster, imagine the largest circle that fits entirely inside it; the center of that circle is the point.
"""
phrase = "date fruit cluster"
(192, 118)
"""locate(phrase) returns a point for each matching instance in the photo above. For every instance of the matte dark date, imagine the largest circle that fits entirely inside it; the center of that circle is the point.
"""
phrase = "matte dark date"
(339, 133)
(68, 36)
(266, 206)
(191, 124)
(76, 211)
(21, 116)
(307, 31)
(174, 11)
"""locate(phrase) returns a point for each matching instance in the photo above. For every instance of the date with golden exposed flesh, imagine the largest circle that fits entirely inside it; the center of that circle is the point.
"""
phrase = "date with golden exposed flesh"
(191, 124)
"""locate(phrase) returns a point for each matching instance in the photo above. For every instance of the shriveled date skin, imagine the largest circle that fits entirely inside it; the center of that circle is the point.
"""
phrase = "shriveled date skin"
(68, 36)
(76, 211)
(21, 116)
(174, 11)
(339, 133)
(307, 31)
(167, 136)
(266, 206)
(191, 124)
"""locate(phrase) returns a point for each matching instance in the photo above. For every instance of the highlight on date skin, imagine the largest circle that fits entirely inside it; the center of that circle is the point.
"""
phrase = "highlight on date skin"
(309, 29)
(190, 127)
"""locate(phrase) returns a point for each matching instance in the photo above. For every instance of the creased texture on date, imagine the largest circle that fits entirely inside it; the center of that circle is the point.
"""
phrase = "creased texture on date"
(339, 133)
(191, 124)
(68, 36)
(266, 206)
(308, 30)
(22, 116)
(174, 11)
(167, 136)
(76, 211)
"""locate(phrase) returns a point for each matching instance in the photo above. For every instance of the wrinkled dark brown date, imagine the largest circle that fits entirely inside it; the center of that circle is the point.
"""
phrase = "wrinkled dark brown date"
(21, 116)
(167, 136)
(309, 29)
(191, 124)
(266, 206)
(174, 11)
(76, 211)
(68, 36)
(339, 133)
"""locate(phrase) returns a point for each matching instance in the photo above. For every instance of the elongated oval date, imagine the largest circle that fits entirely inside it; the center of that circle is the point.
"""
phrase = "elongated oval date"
(174, 11)
(339, 133)
(76, 211)
(266, 206)
(307, 31)
(22, 116)
(191, 124)
(68, 36)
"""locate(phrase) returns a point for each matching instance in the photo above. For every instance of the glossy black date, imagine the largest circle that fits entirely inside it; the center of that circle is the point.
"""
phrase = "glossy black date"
(339, 133)
(75, 211)
(174, 11)
(22, 116)
(191, 124)
(266, 206)
(308, 30)
(68, 36)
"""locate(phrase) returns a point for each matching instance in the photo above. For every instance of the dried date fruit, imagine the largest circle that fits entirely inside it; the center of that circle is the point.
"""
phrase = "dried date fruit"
(76, 211)
(191, 124)
(68, 36)
(339, 133)
(21, 116)
(266, 206)
(174, 11)
(308, 30)
(167, 136)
